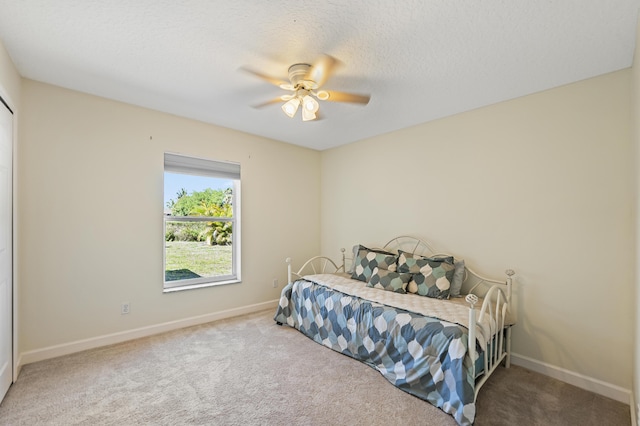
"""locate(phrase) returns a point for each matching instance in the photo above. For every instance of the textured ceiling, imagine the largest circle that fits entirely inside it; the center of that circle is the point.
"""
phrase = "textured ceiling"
(420, 60)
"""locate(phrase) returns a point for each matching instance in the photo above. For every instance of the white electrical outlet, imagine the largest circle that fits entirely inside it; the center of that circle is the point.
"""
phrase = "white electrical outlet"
(275, 283)
(126, 308)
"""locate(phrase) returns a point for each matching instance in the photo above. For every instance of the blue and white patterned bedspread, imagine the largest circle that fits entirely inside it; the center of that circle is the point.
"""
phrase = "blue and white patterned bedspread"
(424, 356)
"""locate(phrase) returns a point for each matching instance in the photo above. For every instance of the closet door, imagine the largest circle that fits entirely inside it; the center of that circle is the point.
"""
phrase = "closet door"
(6, 247)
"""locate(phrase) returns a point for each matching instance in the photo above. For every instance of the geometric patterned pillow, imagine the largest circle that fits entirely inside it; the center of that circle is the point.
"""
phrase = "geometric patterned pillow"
(412, 263)
(458, 276)
(431, 277)
(369, 259)
(435, 283)
(389, 280)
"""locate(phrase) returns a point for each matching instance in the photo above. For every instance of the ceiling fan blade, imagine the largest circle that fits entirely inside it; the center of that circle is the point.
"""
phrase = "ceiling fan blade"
(273, 80)
(321, 70)
(273, 101)
(334, 96)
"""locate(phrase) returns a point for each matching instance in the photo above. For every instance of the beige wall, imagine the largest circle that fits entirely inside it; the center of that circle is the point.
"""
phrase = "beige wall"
(91, 199)
(541, 184)
(635, 111)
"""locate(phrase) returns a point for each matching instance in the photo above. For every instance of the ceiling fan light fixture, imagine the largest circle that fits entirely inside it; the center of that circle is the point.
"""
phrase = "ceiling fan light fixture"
(291, 107)
(304, 83)
(310, 104)
(308, 115)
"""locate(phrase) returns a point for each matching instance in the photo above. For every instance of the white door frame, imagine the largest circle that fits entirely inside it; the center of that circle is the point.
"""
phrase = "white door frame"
(14, 245)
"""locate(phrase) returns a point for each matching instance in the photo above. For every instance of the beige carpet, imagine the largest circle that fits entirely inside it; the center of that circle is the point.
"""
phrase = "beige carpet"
(249, 371)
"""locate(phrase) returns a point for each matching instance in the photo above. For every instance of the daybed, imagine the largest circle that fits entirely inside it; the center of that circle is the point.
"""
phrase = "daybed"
(421, 334)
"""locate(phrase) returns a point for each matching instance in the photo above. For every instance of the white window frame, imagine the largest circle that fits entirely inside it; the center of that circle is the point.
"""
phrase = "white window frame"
(178, 163)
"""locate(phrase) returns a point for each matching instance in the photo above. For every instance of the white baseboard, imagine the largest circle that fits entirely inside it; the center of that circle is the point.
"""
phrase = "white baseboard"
(123, 336)
(634, 410)
(576, 379)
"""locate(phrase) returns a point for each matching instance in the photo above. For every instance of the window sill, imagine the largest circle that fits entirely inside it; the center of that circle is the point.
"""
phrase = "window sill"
(200, 285)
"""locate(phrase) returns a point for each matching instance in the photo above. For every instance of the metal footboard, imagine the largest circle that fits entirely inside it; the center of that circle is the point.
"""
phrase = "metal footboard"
(496, 305)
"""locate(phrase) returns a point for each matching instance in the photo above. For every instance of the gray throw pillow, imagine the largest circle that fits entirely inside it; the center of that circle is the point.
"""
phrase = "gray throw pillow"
(458, 277)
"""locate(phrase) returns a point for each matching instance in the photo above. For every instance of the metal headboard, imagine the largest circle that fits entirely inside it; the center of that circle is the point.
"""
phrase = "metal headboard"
(417, 246)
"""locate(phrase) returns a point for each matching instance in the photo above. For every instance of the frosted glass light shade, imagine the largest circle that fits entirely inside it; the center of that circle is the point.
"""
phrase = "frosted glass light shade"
(291, 107)
(310, 104)
(308, 115)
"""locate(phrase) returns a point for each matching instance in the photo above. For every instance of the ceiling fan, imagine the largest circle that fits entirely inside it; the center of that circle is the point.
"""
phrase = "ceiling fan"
(305, 81)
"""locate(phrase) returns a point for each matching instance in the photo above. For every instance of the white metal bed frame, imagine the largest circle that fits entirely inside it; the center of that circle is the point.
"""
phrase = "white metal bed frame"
(496, 303)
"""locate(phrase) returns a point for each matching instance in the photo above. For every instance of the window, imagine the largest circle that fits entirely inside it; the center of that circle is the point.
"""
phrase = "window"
(201, 222)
